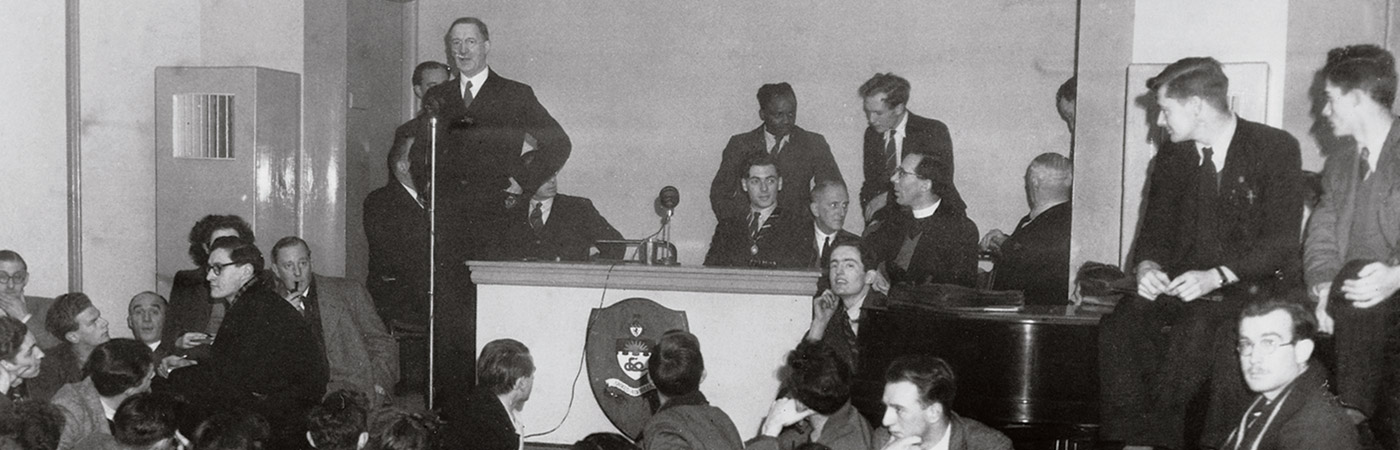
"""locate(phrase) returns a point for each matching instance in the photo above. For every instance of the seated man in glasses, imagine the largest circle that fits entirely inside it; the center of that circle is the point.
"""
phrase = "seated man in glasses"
(1293, 410)
(14, 276)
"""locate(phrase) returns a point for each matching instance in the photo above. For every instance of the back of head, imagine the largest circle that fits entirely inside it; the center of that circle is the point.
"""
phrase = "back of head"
(502, 363)
(605, 441)
(895, 88)
(147, 418)
(232, 430)
(819, 378)
(199, 234)
(33, 425)
(336, 423)
(396, 429)
(1051, 171)
(1068, 90)
(931, 375)
(1195, 77)
(118, 365)
(676, 364)
(1366, 67)
(63, 314)
(12, 333)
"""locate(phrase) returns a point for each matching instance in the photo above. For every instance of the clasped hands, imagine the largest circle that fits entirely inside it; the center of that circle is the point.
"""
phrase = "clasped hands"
(1152, 282)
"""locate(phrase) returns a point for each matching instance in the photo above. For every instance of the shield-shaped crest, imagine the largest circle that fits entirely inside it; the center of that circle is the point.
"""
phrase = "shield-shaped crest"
(620, 340)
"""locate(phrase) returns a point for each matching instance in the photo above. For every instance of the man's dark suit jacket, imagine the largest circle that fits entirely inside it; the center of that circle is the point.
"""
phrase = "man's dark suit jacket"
(922, 135)
(1035, 259)
(481, 420)
(573, 226)
(1258, 209)
(396, 228)
(820, 260)
(1309, 418)
(479, 146)
(946, 253)
(60, 367)
(805, 159)
(782, 242)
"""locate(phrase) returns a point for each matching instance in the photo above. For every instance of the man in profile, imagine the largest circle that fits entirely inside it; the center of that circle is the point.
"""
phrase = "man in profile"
(558, 227)
(14, 276)
(685, 420)
(73, 318)
(918, 398)
(118, 369)
(830, 201)
(767, 235)
(1220, 228)
(1034, 259)
(803, 157)
(930, 240)
(490, 418)
(893, 134)
(1294, 410)
(20, 358)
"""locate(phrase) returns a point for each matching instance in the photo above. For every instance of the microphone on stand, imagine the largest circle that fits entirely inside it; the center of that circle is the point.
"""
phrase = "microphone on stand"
(669, 198)
(432, 253)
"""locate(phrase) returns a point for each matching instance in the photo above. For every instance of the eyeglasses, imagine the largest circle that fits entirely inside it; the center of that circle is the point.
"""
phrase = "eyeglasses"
(218, 269)
(18, 278)
(901, 173)
(1265, 346)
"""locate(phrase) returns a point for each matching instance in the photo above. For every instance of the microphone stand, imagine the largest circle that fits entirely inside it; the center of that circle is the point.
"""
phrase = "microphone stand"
(432, 262)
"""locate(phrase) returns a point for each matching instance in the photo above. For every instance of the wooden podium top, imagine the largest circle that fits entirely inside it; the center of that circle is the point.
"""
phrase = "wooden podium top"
(657, 278)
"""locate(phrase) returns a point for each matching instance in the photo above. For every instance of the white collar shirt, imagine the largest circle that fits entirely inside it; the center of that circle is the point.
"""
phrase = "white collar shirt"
(897, 133)
(1221, 146)
(545, 206)
(477, 80)
(769, 139)
(821, 238)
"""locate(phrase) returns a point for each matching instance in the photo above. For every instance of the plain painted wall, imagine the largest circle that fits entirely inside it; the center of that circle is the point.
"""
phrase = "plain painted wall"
(651, 92)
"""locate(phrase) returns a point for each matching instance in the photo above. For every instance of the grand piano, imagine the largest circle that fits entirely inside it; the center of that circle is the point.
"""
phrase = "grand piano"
(1030, 371)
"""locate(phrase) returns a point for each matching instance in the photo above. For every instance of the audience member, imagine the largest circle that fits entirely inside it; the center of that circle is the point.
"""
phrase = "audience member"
(233, 430)
(803, 157)
(932, 240)
(20, 358)
(359, 353)
(830, 201)
(13, 302)
(145, 316)
(769, 235)
(266, 357)
(80, 325)
(605, 441)
(194, 317)
(339, 422)
(558, 227)
(31, 425)
(1034, 259)
(396, 429)
(491, 417)
(893, 134)
(685, 419)
(1354, 223)
(145, 421)
(1215, 227)
(918, 398)
(1294, 410)
(1065, 99)
(817, 406)
(118, 369)
(836, 312)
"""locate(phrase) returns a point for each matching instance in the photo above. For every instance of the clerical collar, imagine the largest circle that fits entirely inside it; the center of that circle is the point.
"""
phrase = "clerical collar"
(1221, 145)
(924, 213)
(477, 80)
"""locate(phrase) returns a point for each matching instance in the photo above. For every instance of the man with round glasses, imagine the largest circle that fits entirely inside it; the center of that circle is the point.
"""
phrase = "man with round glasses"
(14, 276)
(1293, 410)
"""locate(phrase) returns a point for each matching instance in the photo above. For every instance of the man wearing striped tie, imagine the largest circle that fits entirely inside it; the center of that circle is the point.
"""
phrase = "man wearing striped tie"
(893, 133)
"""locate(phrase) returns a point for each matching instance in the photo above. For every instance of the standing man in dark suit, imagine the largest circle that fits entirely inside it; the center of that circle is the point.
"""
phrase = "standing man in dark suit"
(27, 309)
(1221, 228)
(830, 201)
(396, 229)
(803, 157)
(766, 236)
(1034, 259)
(484, 122)
(893, 134)
(930, 239)
(558, 227)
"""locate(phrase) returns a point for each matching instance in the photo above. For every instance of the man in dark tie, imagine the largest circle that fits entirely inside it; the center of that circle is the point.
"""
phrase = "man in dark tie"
(1294, 410)
(836, 311)
(830, 201)
(1034, 259)
(930, 239)
(803, 157)
(767, 235)
(1355, 223)
(894, 133)
(558, 227)
(1220, 229)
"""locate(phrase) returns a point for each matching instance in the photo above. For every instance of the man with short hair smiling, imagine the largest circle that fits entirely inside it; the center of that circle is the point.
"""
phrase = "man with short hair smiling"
(145, 316)
(836, 312)
(80, 324)
(1294, 410)
(14, 276)
(767, 236)
(118, 369)
(930, 240)
(19, 360)
(918, 398)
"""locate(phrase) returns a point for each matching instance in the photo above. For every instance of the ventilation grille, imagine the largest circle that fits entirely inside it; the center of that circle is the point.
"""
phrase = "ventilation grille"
(203, 126)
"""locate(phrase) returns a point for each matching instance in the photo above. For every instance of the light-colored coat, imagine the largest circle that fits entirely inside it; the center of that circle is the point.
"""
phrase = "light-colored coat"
(359, 351)
(1329, 228)
(82, 413)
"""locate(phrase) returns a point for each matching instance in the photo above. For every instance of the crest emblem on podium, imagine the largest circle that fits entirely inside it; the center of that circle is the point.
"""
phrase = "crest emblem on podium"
(620, 340)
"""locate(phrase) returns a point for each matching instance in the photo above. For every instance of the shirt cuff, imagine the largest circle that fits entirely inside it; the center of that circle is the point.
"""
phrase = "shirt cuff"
(1230, 277)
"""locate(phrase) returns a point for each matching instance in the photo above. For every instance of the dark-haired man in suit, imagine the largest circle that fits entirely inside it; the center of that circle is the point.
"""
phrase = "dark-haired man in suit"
(803, 157)
(558, 227)
(1220, 229)
(27, 309)
(767, 235)
(894, 133)
(930, 239)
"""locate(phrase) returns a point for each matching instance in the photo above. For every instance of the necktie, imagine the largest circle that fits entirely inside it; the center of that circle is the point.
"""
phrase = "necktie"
(537, 217)
(826, 249)
(891, 155)
(467, 96)
(777, 143)
(754, 225)
(299, 304)
(1365, 169)
(1209, 176)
